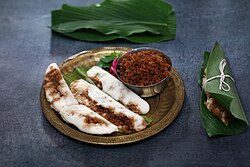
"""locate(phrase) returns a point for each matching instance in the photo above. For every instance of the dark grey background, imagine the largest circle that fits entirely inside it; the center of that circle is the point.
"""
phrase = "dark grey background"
(27, 47)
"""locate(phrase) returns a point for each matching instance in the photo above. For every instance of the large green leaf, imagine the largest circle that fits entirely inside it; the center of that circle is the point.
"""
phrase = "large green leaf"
(229, 99)
(141, 21)
(105, 62)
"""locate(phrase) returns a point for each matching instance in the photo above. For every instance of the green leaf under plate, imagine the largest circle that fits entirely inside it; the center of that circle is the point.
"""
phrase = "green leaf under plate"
(79, 72)
(106, 61)
(147, 119)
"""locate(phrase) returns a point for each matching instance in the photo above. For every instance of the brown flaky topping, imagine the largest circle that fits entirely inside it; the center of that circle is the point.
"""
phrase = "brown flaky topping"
(124, 123)
(218, 110)
(97, 82)
(120, 119)
(52, 82)
(133, 107)
(94, 120)
(143, 68)
(54, 76)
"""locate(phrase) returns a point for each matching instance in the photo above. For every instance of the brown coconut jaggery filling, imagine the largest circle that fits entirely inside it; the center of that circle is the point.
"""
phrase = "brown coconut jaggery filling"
(94, 120)
(52, 82)
(133, 107)
(217, 109)
(143, 68)
(130, 106)
(97, 82)
(124, 123)
(119, 119)
(88, 119)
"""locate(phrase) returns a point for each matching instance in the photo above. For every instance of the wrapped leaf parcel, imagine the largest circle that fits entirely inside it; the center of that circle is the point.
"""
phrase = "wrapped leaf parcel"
(139, 21)
(220, 105)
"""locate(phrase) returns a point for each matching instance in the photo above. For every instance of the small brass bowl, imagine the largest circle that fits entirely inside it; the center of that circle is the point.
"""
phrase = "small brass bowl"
(148, 90)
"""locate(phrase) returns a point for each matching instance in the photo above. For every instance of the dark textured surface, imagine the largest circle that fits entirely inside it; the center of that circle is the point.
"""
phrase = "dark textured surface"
(27, 47)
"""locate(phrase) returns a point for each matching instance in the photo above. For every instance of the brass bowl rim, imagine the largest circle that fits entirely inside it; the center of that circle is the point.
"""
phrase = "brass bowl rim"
(140, 49)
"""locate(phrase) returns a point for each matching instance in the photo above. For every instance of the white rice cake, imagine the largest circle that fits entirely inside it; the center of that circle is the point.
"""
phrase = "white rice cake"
(87, 120)
(62, 100)
(89, 95)
(117, 90)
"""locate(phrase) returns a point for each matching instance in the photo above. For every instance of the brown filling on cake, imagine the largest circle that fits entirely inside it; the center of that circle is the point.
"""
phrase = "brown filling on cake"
(217, 109)
(97, 81)
(133, 107)
(52, 82)
(124, 123)
(94, 120)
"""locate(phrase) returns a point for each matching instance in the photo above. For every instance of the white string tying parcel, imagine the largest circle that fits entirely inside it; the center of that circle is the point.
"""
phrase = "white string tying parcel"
(223, 85)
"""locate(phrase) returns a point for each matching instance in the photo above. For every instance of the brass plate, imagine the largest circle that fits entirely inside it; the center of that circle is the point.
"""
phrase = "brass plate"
(164, 108)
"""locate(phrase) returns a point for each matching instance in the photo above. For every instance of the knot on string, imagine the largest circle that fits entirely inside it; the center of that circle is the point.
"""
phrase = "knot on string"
(223, 85)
